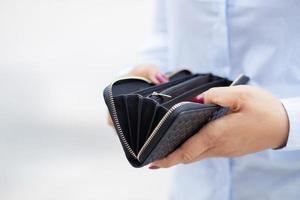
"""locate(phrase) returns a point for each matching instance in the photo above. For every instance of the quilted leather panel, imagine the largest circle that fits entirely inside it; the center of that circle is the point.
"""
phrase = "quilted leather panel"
(184, 126)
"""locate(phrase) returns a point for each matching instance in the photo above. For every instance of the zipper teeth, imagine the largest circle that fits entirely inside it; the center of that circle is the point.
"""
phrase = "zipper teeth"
(119, 129)
(154, 132)
(161, 122)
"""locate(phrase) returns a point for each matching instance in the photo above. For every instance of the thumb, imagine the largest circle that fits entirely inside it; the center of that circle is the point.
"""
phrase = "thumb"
(224, 96)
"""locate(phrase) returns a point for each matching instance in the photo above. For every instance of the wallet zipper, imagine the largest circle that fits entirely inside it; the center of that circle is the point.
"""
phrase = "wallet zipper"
(158, 126)
(115, 116)
(160, 94)
(154, 132)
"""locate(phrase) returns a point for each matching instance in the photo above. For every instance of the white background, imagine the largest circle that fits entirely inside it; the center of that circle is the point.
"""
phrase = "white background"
(56, 56)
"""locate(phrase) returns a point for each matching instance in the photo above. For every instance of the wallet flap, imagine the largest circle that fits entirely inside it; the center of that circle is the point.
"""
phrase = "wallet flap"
(183, 127)
(183, 120)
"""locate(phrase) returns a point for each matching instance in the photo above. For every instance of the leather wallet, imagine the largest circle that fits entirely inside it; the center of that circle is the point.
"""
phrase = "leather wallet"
(151, 121)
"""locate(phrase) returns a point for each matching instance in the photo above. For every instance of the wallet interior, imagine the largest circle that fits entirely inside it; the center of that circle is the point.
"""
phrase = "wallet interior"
(139, 111)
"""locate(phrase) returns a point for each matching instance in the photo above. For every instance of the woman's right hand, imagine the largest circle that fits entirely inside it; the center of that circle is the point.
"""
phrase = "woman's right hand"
(147, 71)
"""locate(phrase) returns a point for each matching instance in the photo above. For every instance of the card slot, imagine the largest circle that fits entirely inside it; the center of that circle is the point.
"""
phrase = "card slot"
(189, 95)
(188, 85)
(150, 125)
(152, 113)
(137, 117)
(132, 106)
(160, 112)
(147, 116)
(157, 88)
(130, 131)
(122, 115)
(138, 124)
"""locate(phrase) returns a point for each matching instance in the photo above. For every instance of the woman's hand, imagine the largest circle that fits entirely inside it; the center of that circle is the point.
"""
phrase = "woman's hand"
(257, 121)
(147, 71)
(150, 72)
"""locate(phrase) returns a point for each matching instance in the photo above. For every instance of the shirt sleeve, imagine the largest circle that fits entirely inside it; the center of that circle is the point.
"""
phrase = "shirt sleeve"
(292, 107)
(155, 48)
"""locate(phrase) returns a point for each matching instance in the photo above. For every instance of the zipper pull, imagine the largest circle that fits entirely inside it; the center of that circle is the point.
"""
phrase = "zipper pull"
(160, 94)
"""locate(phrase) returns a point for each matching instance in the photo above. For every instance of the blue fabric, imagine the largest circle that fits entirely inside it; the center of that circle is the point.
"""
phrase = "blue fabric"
(260, 38)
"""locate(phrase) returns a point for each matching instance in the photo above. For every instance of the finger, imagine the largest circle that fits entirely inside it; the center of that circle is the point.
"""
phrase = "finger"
(220, 134)
(109, 120)
(225, 96)
(169, 161)
(158, 78)
(211, 152)
(186, 153)
(198, 99)
(161, 78)
(154, 80)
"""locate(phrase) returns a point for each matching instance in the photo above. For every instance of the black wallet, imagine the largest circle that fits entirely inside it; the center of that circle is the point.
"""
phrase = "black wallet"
(153, 120)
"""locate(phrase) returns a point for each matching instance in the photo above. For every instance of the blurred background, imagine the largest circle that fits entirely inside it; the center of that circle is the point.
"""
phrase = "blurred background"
(56, 56)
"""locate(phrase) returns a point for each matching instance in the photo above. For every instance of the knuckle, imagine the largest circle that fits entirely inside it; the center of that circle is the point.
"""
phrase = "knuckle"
(240, 97)
(210, 94)
(186, 156)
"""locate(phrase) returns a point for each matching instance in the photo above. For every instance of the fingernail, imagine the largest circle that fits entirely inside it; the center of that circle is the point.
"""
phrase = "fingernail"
(167, 78)
(153, 167)
(160, 77)
(198, 99)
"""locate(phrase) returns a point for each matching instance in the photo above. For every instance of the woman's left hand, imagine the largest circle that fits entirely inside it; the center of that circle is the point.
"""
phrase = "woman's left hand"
(256, 121)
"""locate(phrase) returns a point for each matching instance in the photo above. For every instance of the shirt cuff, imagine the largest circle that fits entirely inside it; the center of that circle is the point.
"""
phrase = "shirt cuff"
(292, 107)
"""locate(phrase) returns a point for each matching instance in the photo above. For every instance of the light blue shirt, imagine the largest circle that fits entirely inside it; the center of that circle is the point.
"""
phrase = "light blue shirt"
(260, 38)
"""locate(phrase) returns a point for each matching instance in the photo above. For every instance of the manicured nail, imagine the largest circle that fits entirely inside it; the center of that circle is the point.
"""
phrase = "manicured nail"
(198, 99)
(153, 167)
(167, 78)
(160, 77)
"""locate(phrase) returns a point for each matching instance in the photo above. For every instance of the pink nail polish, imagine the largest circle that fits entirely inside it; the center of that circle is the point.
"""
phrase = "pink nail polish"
(153, 167)
(165, 77)
(198, 99)
(161, 78)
